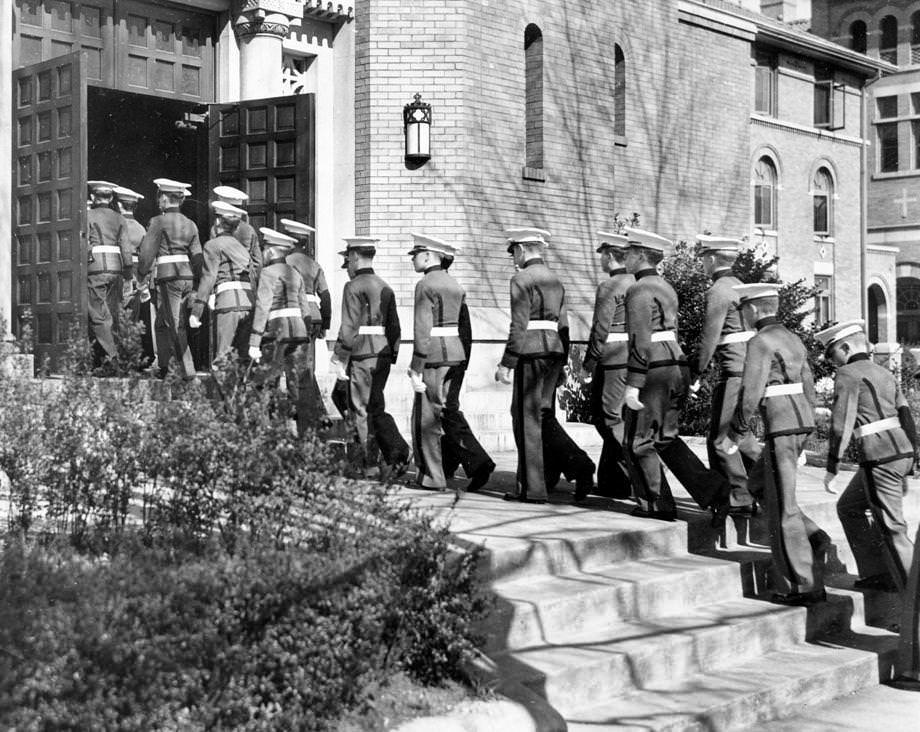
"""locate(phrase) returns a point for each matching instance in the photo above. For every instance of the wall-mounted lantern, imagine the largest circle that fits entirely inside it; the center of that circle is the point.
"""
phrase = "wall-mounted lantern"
(417, 122)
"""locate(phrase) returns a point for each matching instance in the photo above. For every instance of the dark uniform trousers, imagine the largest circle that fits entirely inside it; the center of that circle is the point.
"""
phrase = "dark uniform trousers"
(734, 467)
(459, 445)
(427, 410)
(104, 294)
(607, 387)
(232, 332)
(909, 647)
(171, 325)
(376, 428)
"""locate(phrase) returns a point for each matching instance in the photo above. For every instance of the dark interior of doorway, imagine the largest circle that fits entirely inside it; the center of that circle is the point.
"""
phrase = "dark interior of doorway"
(134, 138)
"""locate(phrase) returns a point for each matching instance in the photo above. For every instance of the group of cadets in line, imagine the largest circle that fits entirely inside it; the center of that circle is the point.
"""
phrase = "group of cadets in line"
(272, 301)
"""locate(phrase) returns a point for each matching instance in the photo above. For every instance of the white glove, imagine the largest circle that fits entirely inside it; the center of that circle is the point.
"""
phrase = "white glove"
(631, 397)
(255, 353)
(418, 386)
(193, 322)
(503, 375)
(695, 389)
(830, 482)
(144, 289)
(802, 459)
(338, 368)
(729, 446)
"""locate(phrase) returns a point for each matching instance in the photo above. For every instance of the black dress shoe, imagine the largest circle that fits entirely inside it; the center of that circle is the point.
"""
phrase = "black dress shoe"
(522, 499)
(640, 512)
(720, 511)
(820, 543)
(881, 582)
(747, 510)
(905, 683)
(480, 477)
(799, 598)
(584, 484)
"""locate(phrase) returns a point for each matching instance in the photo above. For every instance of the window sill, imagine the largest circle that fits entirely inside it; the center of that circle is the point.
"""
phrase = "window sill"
(535, 174)
(619, 140)
(825, 239)
(898, 174)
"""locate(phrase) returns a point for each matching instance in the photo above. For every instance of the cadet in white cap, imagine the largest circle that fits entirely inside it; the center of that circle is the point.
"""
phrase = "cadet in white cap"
(109, 263)
(137, 298)
(656, 384)
(320, 303)
(605, 360)
(225, 272)
(725, 337)
(244, 233)
(777, 385)
(366, 348)
(438, 349)
(533, 361)
(171, 245)
(870, 409)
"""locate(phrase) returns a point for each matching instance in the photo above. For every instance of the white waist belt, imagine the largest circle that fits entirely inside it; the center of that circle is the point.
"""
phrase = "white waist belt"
(313, 298)
(617, 337)
(543, 325)
(891, 423)
(783, 389)
(742, 337)
(106, 249)
(172, 259)
(371, 330)
(285, 313)
(445, 330)
(235, 285)
(135, 259)
(663, 335)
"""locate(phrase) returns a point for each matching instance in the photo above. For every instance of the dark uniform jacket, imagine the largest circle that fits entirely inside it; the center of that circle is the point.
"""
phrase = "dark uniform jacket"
(438, 301)
(246, 235)
(609, 317)
(865, 392)
(225, 261)
(368, 301)
(651, 307)
(281, 305)
(170, 234)
(107, 239)
(315, 283)
(536, 295)
(134, 233)
(776, 358)
(723, 318)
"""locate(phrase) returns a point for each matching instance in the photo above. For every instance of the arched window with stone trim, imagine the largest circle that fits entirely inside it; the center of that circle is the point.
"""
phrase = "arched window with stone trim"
(765, 183)
(858, 36)
(888, 42)
(533, 95)
(822, 196)
(619, 92)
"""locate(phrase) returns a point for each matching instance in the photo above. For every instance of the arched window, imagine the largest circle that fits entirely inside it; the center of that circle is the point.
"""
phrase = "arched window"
(533, 95)
(915, 38)
(765, 195)
(858, 36)
(822, 195)
(888, 44)
(619, 92)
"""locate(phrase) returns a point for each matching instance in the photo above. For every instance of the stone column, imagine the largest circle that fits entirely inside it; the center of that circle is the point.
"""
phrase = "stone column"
(261, 29)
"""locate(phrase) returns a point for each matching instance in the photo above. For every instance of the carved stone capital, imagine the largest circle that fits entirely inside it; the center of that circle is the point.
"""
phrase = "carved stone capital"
(248, 28)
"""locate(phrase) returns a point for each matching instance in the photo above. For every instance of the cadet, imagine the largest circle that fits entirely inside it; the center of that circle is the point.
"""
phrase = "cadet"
(137, 291)
(459, 445)
(278, 321)
(656, 385)
(534, 358)
(319, 302)
(605, 360)
(725, 337)
(366, 348)
(172, 246)
(225, 272)
(109, 260)
(869, 406)
(777, 384)
(244, 233)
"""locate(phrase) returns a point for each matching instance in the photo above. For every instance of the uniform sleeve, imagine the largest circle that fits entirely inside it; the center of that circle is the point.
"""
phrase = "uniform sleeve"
(753, 384)
(423, 320)
(906, 417)
(194, 249)
(302, 296)
(150, 246)
(465, 328)
(255, 257)
(209, 266)
(716, 309)
(264, 296)
(604, 310)
(325, 299)
(843, 419)
(391, 325)
(639, 326)
(563, 325)
(123, 242)
(520, 317)
(808, 382)
(348, 330)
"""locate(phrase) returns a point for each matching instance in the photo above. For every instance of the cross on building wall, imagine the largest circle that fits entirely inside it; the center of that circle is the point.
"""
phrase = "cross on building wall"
(903, 201)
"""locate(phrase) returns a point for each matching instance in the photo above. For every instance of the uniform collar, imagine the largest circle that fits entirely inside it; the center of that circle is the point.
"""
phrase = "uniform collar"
(858, 357)
(364, 270)
(535, 260)
(274, 260)
(128, 214)
(722, 273)
(171, 209)
(617, 271)
(647, 272)
(100, 205)
(433, 268)
(764, 322)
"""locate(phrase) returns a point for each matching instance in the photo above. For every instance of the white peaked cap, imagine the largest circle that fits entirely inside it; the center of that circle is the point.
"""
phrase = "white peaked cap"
(231, 195)
(648, 240)
(222, 208)
(609, 239)
(167, 185)
(126, 194)
(523, 235)
(712, 243)
(272, 238)
(297, 228)
(840, 331)
(756, 290)
(422, 242)
(101, 186)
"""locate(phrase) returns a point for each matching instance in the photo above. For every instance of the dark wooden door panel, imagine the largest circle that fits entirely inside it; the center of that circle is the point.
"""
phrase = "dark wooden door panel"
(49, 259)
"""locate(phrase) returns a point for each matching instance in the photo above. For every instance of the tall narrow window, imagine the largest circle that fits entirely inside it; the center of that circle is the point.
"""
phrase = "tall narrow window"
(619, 92)
(824, 302)
(829, 99)
(533, 94)
(887, 134)
(765, 83)
(858, 36)
(888, 43)
(915, 38)
(822, 195)
(765, 195)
